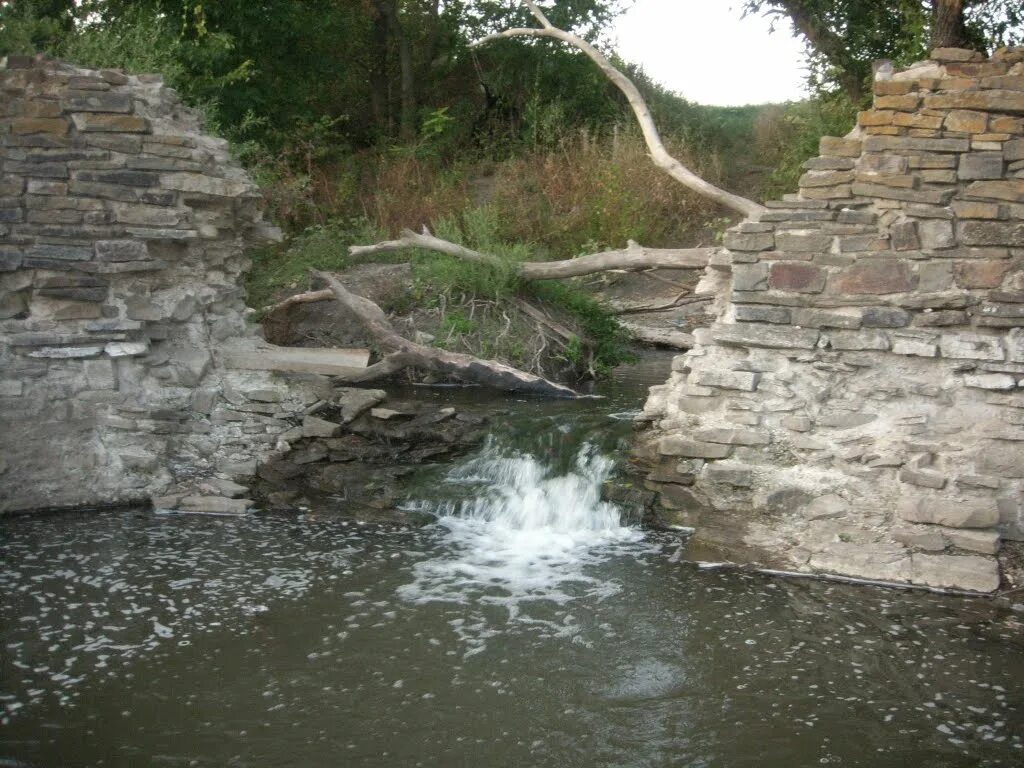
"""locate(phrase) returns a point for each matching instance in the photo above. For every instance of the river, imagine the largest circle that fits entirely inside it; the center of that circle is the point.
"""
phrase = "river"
(532, 625)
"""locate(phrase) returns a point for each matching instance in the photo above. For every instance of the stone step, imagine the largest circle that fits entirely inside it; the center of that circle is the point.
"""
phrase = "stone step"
(328, 361)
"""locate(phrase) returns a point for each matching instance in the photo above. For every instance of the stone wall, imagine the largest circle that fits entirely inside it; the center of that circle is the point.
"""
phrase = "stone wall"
(857, 408)
(123, 232)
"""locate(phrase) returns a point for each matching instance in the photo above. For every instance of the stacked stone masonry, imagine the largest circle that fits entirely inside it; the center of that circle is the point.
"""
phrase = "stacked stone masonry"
(858, 406)
(123, 231)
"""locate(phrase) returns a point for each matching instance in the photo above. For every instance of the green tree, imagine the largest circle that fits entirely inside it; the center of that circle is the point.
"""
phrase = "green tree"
(844, 37)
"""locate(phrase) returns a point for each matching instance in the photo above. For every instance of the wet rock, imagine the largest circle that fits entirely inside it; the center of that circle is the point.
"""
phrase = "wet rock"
(826, 507)
(353, 402)
(313, 426)
(220, 505)
(968, 572)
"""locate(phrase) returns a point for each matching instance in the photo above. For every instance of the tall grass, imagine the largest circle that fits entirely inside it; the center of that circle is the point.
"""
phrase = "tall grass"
(586, 192)
(787, 134)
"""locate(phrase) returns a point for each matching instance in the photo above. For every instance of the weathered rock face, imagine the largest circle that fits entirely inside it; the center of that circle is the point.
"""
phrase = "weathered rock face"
(858, 406)
(122, 238)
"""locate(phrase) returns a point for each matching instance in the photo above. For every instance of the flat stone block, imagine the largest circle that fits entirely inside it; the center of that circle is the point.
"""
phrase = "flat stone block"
(967, 572)
(1011, 190)
(215, 505)
(733, 436)
(340, 362)
(29, 125)
(66, 353)
(759, 335)
(750, 277)
(981, 165)
(884, 317)
(981, 274)
(98, 102)
(121, 250)
(126, 348)
(986, 101)
(971, 346)
(800, 241)
(745, 381)
(858, 340)
(198, 183)
(914, 346)
(316, 427)
(825, 318)
(994, 381)
(875, 277)
(796, 277)
(754, 241)
(757, 313)
(678, 446)
(844, 419)
(924, 478)
(60, 252)
(930, 541)
(1001, 459)
(828, 507)
(950, 512)
(797, 423)
(974, 232)
(103, 123)
(985, 542)
(736, 475)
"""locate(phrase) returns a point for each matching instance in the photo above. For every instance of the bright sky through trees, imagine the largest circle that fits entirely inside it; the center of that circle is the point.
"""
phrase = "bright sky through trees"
(706, 52)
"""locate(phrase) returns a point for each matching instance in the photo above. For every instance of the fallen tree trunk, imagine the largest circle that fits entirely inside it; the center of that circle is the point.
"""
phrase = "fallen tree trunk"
(632, 257)
(659, 155)
(409, 354)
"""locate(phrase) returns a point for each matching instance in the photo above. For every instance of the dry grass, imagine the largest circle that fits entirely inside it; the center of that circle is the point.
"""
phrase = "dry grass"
(593, 193)
(585, 194)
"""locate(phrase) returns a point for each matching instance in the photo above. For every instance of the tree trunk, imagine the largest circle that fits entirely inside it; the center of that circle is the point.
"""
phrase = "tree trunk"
(379, 75)
(389, 11)
(948, 28)
(851, 75)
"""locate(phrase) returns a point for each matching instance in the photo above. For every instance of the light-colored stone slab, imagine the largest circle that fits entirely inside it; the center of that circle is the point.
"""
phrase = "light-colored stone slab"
(330, 362)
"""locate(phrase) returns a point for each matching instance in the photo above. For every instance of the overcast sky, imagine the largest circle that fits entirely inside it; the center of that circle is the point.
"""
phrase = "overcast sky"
(703, 50)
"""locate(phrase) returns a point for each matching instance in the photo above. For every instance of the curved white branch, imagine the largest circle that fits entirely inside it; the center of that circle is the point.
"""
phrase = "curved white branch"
(659, 155)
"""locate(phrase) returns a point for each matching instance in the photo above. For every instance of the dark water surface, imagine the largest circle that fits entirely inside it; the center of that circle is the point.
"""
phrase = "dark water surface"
(527, 628)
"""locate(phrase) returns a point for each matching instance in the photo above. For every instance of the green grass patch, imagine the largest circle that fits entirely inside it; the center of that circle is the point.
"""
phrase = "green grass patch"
(610, 341)
(285, 268)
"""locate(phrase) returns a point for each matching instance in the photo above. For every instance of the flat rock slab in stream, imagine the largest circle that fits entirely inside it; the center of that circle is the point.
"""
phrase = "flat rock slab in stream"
(330, 362)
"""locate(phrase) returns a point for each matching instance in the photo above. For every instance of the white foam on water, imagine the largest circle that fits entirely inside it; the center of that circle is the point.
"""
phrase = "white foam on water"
(526, 536)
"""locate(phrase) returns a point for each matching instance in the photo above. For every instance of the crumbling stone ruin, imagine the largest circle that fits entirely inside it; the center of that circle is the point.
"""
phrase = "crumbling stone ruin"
(123, 231)
(858, 406)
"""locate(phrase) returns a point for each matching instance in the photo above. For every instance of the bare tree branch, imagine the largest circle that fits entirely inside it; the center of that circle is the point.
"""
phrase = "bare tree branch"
(634, 256)
(426, 241)
(300, 298)
(659, 155)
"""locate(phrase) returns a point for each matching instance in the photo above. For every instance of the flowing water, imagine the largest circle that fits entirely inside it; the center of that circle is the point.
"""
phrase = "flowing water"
(531, 626)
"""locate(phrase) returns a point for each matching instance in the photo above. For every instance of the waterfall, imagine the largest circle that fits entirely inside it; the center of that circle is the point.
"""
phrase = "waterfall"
(524, 530)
